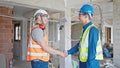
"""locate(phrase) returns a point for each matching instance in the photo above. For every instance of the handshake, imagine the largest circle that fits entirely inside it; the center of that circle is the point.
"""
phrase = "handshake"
(63, 54)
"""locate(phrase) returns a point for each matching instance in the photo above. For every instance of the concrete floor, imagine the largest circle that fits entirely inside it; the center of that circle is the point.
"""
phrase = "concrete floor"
(107, 63)
(24, 64)
(21, 64)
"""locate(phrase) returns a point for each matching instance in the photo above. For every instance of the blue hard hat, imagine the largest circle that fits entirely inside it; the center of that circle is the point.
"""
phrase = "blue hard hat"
(86, 8)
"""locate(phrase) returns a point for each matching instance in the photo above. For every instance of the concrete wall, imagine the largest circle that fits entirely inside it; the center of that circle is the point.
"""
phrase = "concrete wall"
(75, 33)
(116, 31)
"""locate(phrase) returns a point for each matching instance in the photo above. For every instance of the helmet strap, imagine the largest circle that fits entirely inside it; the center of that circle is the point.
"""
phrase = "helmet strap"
(90, 16)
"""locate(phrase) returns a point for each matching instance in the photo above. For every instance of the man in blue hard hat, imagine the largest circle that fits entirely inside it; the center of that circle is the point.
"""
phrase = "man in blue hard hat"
(89, 45)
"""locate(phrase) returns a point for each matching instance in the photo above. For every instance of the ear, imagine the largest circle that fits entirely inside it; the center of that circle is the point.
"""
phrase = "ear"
(86, 16)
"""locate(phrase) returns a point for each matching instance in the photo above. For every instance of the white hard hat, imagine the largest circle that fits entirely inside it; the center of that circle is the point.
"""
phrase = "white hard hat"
(41, 11)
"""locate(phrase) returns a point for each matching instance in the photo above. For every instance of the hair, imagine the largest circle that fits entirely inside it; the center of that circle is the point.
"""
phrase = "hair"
(90, 15)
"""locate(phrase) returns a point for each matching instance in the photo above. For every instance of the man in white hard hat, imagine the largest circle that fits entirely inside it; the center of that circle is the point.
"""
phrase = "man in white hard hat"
(38, 49)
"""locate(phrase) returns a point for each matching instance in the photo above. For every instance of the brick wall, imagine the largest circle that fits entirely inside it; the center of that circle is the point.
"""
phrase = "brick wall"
(6, 34)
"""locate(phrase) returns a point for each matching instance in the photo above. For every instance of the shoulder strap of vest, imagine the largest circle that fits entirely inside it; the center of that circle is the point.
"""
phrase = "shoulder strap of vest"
(92, 26)
(83, 35)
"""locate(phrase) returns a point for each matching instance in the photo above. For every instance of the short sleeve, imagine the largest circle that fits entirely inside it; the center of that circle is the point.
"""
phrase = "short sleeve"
(37, 34)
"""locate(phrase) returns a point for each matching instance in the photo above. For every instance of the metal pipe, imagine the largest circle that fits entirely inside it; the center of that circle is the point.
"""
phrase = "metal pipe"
(101, 16)
(101, 20)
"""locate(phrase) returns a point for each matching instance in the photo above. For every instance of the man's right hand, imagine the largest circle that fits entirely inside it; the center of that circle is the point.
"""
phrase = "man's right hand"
(65, 54)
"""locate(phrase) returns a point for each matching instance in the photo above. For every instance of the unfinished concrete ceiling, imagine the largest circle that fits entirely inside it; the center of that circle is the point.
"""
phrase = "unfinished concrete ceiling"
(54, 4)
(46, 4)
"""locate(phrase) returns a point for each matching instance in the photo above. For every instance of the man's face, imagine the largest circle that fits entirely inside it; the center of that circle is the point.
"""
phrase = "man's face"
(43, 18)
(81, 17)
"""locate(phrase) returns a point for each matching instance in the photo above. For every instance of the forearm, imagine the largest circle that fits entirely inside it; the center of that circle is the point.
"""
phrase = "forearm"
(49, 49)
(73, 49)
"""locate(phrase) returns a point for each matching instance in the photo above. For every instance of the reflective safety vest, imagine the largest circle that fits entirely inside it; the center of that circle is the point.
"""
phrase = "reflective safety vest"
(83, 48)
(36, 52)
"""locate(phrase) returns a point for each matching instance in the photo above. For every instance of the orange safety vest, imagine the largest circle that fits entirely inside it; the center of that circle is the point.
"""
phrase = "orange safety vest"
(36, 52)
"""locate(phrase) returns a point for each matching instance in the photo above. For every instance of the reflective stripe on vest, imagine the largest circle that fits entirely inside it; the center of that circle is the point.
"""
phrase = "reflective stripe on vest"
(35, 51)
(99, 51)
(84, 46)
(38, 54)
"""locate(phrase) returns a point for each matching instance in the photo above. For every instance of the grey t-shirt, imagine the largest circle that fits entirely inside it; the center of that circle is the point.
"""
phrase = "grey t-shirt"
(37, 34)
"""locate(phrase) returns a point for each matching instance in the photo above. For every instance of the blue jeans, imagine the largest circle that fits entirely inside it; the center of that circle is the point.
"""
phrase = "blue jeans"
(39, 64)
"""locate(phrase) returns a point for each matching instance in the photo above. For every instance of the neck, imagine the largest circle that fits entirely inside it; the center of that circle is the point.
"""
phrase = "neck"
(36, 25)
(39, 22)
(86, 22)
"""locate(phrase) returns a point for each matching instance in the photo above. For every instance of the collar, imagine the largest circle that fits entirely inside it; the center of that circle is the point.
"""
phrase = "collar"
(88, 24)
